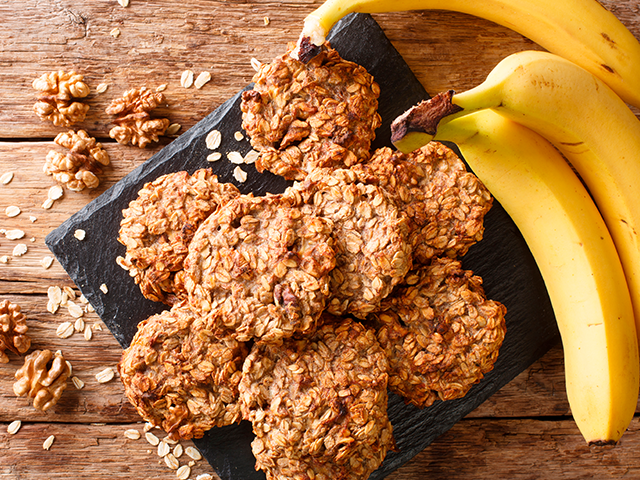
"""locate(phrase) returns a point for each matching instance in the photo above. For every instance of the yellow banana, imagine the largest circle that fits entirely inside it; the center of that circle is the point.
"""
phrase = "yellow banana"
(594, 129)
(580, 30)
(576, 257)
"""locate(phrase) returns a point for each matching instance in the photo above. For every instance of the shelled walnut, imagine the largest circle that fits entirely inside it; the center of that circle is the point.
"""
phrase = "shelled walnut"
(43, 377)
(78, 169)
(13, 330)
(134, 124)
(57, 98)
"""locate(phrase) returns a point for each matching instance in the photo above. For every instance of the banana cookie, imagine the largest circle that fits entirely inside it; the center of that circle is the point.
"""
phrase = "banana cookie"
(441, 334)
(302, 116)
(370, 238)
(159, 225)
(444, 203)
(259, 268)
(180, 377)
(318, 406)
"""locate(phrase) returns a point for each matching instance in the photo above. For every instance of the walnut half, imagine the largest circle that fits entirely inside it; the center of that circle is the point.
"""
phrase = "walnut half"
(13, 330)
(57, 98)
(43, 377)
(78, 169)
(134, 124)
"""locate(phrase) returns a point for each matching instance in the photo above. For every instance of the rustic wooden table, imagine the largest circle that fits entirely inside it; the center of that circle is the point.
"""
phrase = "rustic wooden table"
(525, 431)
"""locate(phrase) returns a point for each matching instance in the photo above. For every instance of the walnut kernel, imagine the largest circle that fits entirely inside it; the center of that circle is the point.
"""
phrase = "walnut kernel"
(43, 377)
(13, 330)
(56, 100)
(134, 124)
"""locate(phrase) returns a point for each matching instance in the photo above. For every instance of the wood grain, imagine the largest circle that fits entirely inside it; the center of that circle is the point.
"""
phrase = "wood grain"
(526, 424)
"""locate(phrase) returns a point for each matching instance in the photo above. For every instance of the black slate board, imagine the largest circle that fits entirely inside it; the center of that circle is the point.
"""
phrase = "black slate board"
(502, 259)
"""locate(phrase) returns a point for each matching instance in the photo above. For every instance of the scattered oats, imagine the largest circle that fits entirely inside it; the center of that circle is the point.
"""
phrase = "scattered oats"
(152, 439)
(132, 434)
(14, 234)
(19, 250)
(102, 87)
(238, 136)
(170, 441)
(178, 450)
(79, 325)
(12, 211)
(235, 157)
(55, 193)
(82, 299)
(104, 288)
(193, 452)
(123, 3)
(186, 80)
(32, 239)
(214, 139)
(202, 80)
(251, 157)
(161, 88)
(47, 204)
(266, 21)
(69, 366)
(171, 461)
(105, 375)
(48, 442)
(115, 33)
(64, 330)
(13, 427)
(46, 262)
(148, 426)
(4, 259)
(173, 129)
(240, 175)
(88, 333)
(214, 157)
(183, 472)
(191, 463)
(6, 178)
(163, 449)
(256, 64)
(54, 294)
(204, 476)
(74, 310)
(79, 384)
(80, 234)
(97, 326)
(32, 218)
(90, 309)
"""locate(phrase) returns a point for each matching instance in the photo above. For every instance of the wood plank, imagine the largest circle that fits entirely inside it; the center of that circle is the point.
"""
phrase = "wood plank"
(99, 452)
(522, 450)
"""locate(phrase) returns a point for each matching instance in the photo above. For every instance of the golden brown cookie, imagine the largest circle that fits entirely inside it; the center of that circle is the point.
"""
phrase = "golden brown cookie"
(441, 334)
(180, 377)
(159, 225)
(444, 202)
(259, 269)
(303, 116)
(318, 406)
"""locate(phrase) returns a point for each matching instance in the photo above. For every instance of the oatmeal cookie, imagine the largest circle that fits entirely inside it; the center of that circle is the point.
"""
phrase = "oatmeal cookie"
(259, 268)
(441, 334)
(180, 377)
(318, 406)
(159, 225)
(444, 202)
(302, 116)
(370, 238)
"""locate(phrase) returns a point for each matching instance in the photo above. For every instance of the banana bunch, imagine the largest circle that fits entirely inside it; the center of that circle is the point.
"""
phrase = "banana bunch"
(600, 136)
(533, 111)
(579, 30)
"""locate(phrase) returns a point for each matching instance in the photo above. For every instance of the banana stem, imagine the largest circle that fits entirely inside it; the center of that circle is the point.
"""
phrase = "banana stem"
(418, 125)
